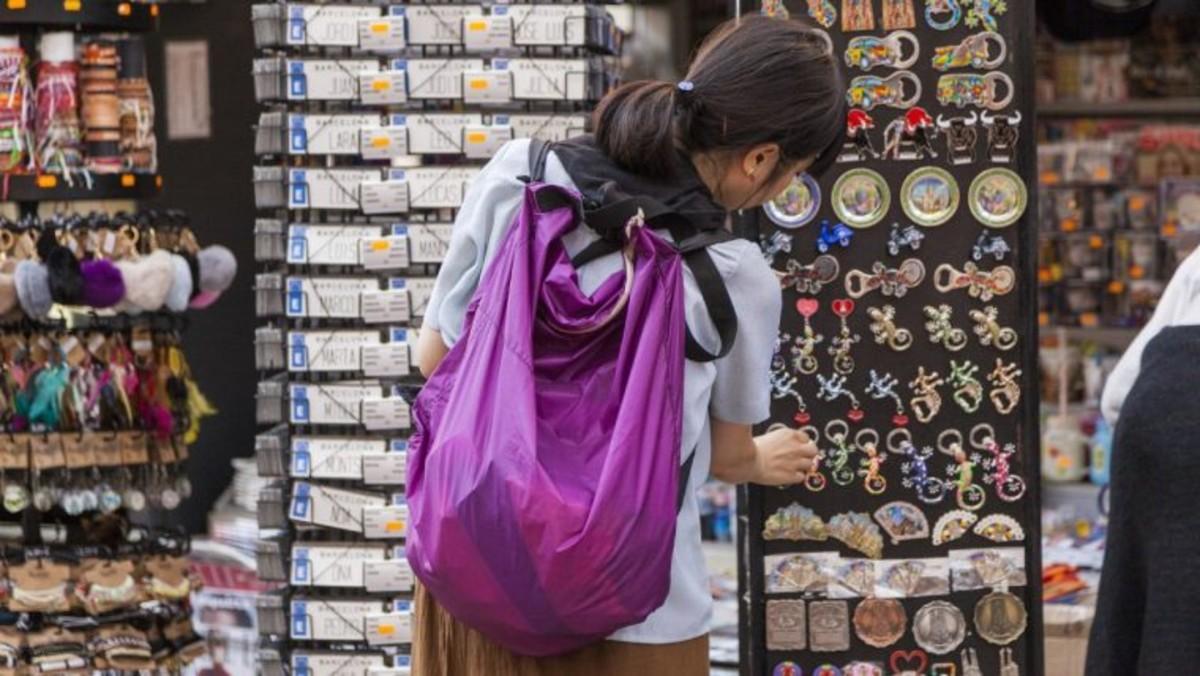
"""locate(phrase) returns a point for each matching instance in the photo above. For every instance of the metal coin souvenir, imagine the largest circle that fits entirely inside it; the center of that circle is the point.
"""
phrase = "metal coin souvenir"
(858, 146)
(929, 196)
(975, 89)
(1003, 133)
(883, 327)
(856, 531)
(998, 198)
(989, 331)
(983, 13)
(941, 331)
(902, 521)
(797, 205)
(795, 523)
(909, 663)
(858, 15)
(926, 401)
(894, 282)
(828, 626)
(981, 284)
(942, 15)
(861, 198)
(868, 51)
(898, 14)
(973, 52)
(952, 526)
(870, 91)
(786, 626)
(1000, 618)
(1000, 528)
(910, 137)
(810, 279)
(796, 574)
(1006, 390)
(904, 238)
(823, 12)
(939, 627)
(787, 669)
(961, 136)
(880, 622)
(833, 235)
(990, 244)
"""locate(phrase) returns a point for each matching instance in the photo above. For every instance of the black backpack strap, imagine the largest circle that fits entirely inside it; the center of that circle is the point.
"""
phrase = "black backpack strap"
(685, 478)
(539, 150)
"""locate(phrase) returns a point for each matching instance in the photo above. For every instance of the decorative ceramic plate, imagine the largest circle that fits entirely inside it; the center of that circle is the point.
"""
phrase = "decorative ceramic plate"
(797, 205)
(998, 198)
(929, 196)
(861, 198)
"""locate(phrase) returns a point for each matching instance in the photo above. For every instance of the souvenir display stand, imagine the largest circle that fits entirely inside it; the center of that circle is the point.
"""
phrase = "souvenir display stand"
(376, 117)
(908, 352)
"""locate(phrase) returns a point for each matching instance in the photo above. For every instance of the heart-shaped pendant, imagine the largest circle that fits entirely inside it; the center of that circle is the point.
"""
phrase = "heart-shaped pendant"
(802, 418)
(856, 415)
(843, 307)
(807, 307)
(909, 662)
(900, 420)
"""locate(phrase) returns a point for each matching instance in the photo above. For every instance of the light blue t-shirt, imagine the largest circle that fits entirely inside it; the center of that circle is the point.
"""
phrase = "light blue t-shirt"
(733, 389)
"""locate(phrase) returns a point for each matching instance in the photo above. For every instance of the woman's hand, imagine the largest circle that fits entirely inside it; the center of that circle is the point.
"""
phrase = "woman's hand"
(784, 457)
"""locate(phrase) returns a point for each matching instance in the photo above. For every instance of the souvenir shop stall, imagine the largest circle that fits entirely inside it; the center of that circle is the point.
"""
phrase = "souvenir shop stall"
(98, 404)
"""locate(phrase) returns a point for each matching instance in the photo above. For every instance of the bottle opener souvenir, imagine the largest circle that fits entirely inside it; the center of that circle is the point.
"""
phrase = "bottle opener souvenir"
(880, 622)
(804, 348)
(861, 198)
(837, 432)
(884, 387)
(929, 196)
(942, 15)
(982, 13)
(797, 205)
(834, 388)
(902, 521)
(858, 15)
(786, 627)
(869, 91)
(941, 331)
(823, 12)
(961, 137)
(858, 532)
(787, 668)
(869, 466)
(998, 198)
(969, 495)
(975, 89)
(828, 626)
(831, 236)
(894, 282)
(795, 523)
(1003, 133)
(1000, 618)
(968, 391)
(939, 627)
(898, 14)
(973, 52)
(910, 137)
(883, 327)
(858, 147)
(1006, 392)
(909, 663)
(988, 244)
(778, 243)
(989, 331)
(841, 345)
(926, 401)
(901, 238)
(1000, 528)
(980, 284)
(810, 279)
(1009, 486)
(868, 51)
(952, 525)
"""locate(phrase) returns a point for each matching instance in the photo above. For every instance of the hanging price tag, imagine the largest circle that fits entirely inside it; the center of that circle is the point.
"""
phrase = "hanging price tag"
(382, 34)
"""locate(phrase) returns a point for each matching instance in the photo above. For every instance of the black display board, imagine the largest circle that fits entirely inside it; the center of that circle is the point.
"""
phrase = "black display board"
(951, 243)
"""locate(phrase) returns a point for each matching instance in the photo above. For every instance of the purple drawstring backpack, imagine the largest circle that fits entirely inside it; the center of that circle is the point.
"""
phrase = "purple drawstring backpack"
(544, 475)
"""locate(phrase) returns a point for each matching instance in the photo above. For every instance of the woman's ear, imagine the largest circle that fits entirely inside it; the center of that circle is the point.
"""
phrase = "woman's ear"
(760, 160)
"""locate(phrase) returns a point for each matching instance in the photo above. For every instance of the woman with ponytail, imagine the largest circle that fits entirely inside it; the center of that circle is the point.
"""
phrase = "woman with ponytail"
(761, 102)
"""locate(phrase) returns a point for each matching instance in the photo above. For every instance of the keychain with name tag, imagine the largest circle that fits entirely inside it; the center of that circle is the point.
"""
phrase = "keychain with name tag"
(333, 564)
(340, 663)
(383, 143)
(327, 134)
(332, 457)
(487, 33)
(383, 88)
(437, 78)
(483, 142)
(549, 79)
(326, 244)
(554, 127)
(382, 34)
(487, 86)
(387, 360)
(336, 508)
(386, 413)
(428, 242)
(385, 469)
(385, 523)
(387, 306)
(328, 351)
(437, 25)
(391, 576)
(384, 197)
(393, 628)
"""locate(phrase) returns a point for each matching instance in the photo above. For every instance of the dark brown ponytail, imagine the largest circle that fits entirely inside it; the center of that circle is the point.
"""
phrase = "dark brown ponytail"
(759, 80)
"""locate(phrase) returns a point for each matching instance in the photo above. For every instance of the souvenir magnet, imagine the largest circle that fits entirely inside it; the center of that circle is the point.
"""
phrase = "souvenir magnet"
(826, 670)
(904, 577)
(894, 282)
(902, 521)
(952, 526)
(837, 432)
(1003, 133)
(981, 284)
(775, 9)
(841, 344)
(989, 244)
(783, 386)
(929, 196)
(778, 243)
(828, 626)
(1006, 391)
(942, 15)
(795, 523)
(858, 15)
(858, 532)
(982, 13)
(915, 467)
(1000, 618)
(973, 52)
(898, 14)
(804, 348)
(834, 388)
(786, 628)
(904, 238)
(998, 198)
(883, 327)
(857, 575)
(795, 574)
(968, 494)
(857, 146)
(880, 622)
(868, 51)
(1009, 486)
(910, 137)
(1000, 528)
(909, 663)
(787, 669)
(861, 198)
(926, 401)
(869, 466)
(870, 91)
(975, 89)
(941, 331)
(810, 279)
(796, 206)
(835, 235)
(989, 331)
(884, 387)
(823, 12)
(961, 137)
(943, 669)
(863, 669)
(939, 627)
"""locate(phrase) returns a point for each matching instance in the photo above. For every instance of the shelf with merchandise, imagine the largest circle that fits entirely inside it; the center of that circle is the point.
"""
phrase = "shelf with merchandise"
(25, 188)
(107, 15)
